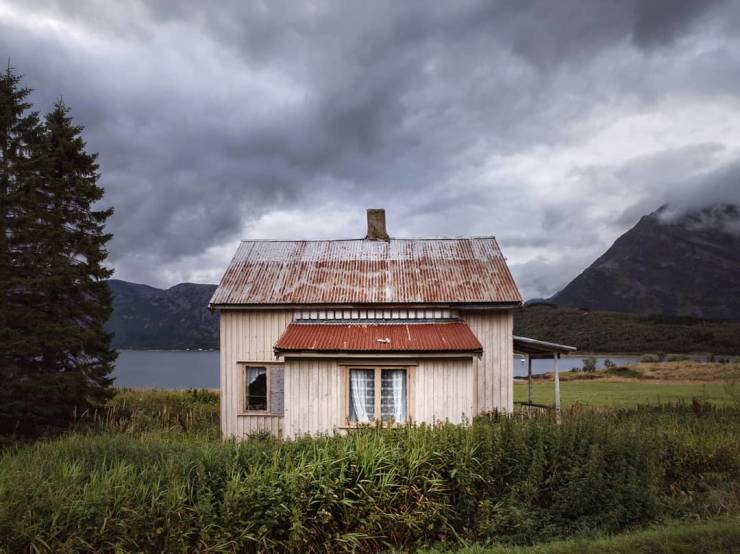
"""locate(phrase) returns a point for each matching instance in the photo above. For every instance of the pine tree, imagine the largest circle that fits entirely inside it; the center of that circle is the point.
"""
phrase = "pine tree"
(21, 139)
(78, 299)
(58, 355)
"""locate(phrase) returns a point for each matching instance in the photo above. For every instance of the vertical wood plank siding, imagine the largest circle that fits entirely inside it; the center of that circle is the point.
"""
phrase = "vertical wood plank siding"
(247, 336)
(494, 369)
(443, 389)
(313, 397)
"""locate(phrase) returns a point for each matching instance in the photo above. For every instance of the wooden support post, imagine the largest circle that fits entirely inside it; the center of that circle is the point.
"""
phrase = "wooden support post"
(557, 389)
(529, 378)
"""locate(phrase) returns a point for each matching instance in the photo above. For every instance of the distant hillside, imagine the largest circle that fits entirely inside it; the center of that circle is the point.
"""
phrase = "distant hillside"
(685, 266)
(592, 331)
(175, 318)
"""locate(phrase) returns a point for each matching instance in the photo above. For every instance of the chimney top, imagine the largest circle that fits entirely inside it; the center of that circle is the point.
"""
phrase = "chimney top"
(376, 225)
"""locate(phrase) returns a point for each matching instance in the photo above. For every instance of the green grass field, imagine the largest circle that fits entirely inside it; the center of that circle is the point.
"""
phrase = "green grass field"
(623, 394)
(712, 537)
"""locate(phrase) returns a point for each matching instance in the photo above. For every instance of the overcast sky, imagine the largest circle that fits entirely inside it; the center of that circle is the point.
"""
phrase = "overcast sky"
(553, 125)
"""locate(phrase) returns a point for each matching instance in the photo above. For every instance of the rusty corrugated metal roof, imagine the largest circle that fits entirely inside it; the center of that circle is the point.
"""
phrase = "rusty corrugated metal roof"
(378, 337)
(398, 271)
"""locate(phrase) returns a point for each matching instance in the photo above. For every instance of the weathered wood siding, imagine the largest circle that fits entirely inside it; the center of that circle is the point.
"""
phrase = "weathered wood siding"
(255, 424)
(247, 336)
(314, 394)
(440, 390)
(494, 370)
(443, 390)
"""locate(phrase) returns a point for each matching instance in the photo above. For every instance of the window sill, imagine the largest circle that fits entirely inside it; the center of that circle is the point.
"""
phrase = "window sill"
(372, 425)
(257, 413)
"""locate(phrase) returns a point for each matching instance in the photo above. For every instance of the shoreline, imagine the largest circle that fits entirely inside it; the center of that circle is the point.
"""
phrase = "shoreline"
(194, 350)
(577, 354)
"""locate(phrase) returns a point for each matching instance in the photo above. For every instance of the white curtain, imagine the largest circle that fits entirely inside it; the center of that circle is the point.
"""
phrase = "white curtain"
(397, 381)
(253, 373)
(362, 384)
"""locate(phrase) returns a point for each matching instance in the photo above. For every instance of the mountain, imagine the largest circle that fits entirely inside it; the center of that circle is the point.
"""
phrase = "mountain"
(175, 318)
(687, 265)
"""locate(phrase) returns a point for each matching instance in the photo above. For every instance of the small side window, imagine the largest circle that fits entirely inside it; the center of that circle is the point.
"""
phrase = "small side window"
(256, 389)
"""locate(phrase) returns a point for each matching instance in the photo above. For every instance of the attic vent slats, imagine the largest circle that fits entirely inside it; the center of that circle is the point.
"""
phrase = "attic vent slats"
(381, 315)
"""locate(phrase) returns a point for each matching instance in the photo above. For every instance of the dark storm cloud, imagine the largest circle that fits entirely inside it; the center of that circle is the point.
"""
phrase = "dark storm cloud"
(661, 21)
(720, 186)
(471, 117)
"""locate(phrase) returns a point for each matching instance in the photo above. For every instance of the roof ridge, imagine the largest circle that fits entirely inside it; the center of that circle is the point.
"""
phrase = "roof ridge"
(370, 240)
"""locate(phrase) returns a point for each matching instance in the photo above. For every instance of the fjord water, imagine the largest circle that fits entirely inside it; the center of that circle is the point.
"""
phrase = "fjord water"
(177, 369)
(567, 363)
(166, 369)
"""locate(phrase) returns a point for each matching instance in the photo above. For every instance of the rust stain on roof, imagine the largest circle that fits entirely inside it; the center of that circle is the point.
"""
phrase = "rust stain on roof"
(398, 271)
(378, 337)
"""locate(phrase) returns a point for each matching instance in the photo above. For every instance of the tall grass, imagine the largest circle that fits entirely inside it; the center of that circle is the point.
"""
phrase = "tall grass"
(514, 479)
(192, 412)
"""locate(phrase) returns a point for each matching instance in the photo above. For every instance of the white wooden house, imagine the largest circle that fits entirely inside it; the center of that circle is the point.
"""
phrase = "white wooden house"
(321, 336)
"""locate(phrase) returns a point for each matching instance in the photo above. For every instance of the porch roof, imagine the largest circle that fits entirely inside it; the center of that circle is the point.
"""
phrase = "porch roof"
(424, 337)
(539, 348)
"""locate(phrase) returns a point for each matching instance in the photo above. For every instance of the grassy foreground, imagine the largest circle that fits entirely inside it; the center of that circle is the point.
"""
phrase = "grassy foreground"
(714, 537)
(151, 474)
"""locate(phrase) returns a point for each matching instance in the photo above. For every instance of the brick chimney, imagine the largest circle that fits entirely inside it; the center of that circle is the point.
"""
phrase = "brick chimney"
(376, 225)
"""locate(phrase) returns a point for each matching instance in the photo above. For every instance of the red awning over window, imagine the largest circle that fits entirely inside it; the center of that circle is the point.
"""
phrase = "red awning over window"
(378, 337)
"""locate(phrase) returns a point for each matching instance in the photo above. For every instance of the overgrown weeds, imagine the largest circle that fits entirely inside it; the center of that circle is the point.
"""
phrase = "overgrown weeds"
(514, 479)
(194, 411)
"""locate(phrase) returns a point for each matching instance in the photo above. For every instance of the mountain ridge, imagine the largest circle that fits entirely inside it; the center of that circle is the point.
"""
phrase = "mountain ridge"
(687, 265)
(146, 317)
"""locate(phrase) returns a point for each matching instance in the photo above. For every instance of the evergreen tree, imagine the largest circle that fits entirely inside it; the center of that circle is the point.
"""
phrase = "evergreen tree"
(21, 140)
(58, 351)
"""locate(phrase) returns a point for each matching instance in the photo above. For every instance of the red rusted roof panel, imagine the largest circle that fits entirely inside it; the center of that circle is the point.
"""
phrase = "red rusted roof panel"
(399, 271)
(378, 337)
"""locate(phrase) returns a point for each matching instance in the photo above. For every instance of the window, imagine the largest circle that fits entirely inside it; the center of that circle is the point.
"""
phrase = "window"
(261, 388)
(255, 399)
(375, 391)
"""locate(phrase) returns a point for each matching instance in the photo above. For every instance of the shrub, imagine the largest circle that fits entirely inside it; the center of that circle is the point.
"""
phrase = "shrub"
(623, 372)
(678, 358)
(649, 359)
(609, 364)
(589, 364)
